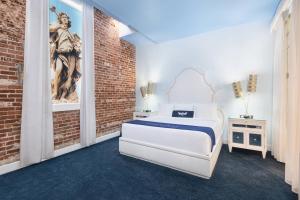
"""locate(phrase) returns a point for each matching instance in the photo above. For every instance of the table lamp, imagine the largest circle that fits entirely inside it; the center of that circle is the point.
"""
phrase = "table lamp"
(147, 91)
(238, 93)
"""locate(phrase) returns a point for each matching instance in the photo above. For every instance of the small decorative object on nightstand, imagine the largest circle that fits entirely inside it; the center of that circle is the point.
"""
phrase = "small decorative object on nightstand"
(137, 115)
(248, 134)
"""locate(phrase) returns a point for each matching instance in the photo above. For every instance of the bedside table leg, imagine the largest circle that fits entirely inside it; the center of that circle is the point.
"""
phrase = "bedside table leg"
(264, 153)
(230, 148)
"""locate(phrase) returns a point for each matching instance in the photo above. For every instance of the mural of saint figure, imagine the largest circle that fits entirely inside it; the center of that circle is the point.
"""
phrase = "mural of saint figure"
(64, 58)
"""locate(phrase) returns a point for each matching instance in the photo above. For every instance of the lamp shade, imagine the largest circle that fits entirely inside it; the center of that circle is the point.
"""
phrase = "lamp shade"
(237, 89)
(143, 91)
(150, 88)
(252, 81)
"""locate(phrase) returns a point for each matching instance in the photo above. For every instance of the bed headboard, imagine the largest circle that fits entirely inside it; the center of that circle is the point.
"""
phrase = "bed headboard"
(191, 87)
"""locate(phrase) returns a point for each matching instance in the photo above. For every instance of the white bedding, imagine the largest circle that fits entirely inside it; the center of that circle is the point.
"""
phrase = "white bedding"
(181, 140)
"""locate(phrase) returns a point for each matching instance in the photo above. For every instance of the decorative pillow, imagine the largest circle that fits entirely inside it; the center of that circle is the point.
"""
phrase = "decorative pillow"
(187, 107)
(166, 110)
(183, 113)
(206, 111)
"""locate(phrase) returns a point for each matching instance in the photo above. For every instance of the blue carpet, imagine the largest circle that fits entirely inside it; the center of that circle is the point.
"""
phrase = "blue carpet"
(100, 172)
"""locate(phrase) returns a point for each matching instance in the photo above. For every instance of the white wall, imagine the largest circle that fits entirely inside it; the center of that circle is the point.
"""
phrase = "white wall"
(225, 56)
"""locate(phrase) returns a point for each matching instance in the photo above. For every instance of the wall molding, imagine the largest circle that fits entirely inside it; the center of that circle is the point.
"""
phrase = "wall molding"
(65, 107)
(17, 165)
(283, 6)
(10, 167)
(67, 149)
(107, 137)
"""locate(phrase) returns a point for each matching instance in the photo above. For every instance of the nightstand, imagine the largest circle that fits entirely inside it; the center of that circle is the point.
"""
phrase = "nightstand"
(247, 134)
(137, 115)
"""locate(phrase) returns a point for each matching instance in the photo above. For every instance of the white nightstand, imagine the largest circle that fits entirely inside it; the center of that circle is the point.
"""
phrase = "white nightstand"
(137, 115)
(247, 134)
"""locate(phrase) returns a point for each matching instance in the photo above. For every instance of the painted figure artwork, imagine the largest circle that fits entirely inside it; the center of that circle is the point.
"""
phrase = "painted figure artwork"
(65, 61)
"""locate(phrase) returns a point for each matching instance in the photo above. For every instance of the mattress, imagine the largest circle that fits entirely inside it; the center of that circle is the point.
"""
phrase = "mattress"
(182, 140)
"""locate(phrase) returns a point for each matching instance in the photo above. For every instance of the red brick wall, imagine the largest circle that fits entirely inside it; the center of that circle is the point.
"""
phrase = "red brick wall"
(66, 127)
(115, 76)
(115, 82)
(12, 25)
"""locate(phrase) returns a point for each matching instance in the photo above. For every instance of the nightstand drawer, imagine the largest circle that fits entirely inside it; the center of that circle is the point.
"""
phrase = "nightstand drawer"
(255, 139)
(238, 137)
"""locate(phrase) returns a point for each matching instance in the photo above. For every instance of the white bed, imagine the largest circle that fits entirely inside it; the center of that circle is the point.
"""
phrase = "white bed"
(183, 150)
(184, 140)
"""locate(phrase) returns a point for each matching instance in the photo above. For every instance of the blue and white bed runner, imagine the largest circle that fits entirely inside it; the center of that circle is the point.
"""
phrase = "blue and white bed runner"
(207, 130)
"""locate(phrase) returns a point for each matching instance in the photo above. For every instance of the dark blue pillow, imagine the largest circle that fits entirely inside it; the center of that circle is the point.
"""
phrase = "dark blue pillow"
(183, 113)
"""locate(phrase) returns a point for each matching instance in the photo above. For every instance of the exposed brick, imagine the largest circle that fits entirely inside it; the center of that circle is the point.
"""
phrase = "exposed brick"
(66, 127)
(115, 82)
(12, 30)
(115, 76)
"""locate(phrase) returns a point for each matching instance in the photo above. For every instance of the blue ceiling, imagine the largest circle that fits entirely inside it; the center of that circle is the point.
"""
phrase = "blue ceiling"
(164, 20)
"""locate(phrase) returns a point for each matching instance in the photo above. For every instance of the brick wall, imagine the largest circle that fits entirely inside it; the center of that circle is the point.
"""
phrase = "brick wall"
(12, 23)
(66, 127)
(115, 82)
(115, 76)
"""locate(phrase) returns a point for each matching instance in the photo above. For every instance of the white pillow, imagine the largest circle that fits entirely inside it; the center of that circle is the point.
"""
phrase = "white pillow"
(165, 110)
(187, 107)
(206, 111)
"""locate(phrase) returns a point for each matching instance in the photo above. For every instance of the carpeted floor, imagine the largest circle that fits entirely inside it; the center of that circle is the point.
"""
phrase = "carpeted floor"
(100, 172)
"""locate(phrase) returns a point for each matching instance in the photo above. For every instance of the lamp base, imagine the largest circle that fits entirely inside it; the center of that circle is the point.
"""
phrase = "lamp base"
(246, 116)
(146, 110)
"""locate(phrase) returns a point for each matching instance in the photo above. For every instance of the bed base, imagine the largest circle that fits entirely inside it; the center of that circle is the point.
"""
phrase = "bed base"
(187, 162)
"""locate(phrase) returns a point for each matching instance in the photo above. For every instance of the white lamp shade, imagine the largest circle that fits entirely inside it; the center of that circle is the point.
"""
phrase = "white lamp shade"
(237, 89)
(143, 91)
(252, 82)
(150, 88)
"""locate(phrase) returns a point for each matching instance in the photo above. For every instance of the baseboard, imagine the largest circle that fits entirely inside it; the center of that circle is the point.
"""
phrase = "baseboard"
(17, 165)
(108, 136)
(75, 147)
(67, 149)
(10, 167)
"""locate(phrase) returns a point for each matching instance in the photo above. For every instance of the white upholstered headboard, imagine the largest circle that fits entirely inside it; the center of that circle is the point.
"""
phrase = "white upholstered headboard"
(191, 87)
